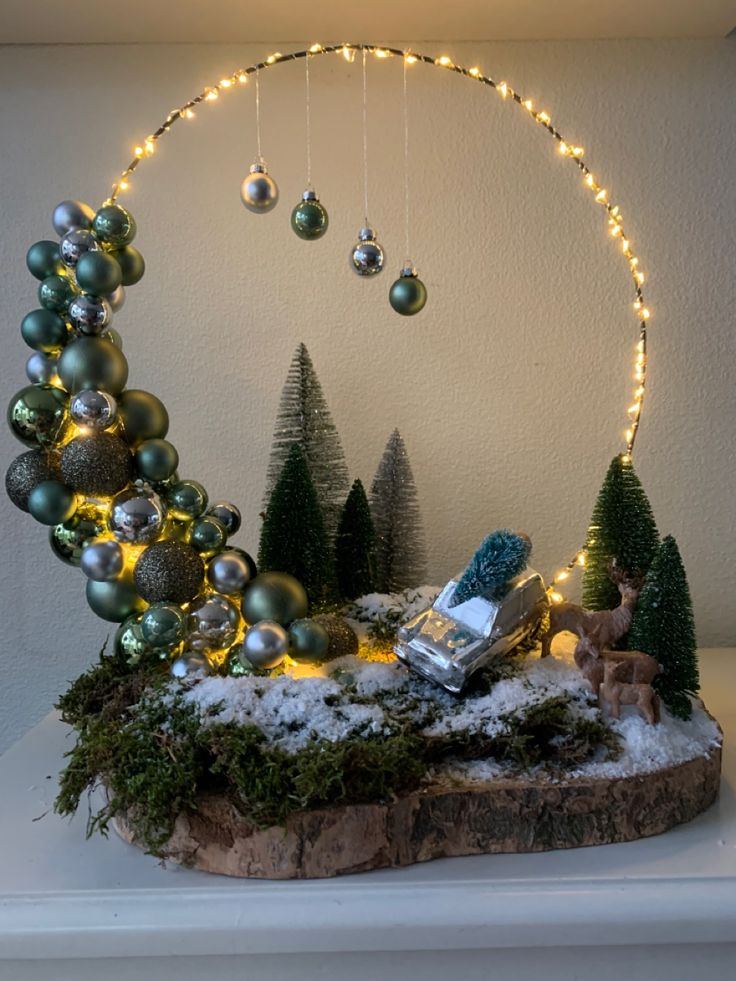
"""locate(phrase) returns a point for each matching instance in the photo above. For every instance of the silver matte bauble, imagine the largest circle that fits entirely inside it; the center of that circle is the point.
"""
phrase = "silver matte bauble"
(228, 572)
(188, 665)
(213, 623)
(71, 214)
(367, 256)
(259, 192)
(91, 409)
(75, 243)
(102, 561)
(90, 314)
(41, 368)
(116, 299)
(228, 514)
(266, 644)
(136, 516)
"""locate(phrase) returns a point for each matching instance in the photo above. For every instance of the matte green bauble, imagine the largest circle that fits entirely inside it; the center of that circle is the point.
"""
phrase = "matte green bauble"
(309, 218)
(309, 642)
(156, 459)
(55, 292)
(274, 596)
(43, 330)
(187, 499)
(92, 362)
(97, 464)
(38, 414)
(26, 472)
(114, 601)
(114, 226)
(207, 535)
(130, 644)
(52, 502)
(408, 294)
(68, 540)
(143, 416)
(43, 259)
(98, 273)
(132, 264)
(163, 625)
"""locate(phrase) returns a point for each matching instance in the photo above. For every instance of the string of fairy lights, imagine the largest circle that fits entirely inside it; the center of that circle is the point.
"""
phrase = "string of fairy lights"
(569, 150)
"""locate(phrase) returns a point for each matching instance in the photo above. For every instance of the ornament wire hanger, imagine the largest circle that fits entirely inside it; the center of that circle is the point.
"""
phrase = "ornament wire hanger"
(309, 219)
(367, 257)
(258, 191)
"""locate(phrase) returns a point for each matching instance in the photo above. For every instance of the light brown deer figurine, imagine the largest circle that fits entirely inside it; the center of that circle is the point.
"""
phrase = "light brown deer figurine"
(636, 667)
(616, 693)
(606, 626)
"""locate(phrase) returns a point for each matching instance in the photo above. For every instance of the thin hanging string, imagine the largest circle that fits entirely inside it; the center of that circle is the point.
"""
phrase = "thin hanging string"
(365, 139)
(309, 125)
(258, 115)
(406, 171)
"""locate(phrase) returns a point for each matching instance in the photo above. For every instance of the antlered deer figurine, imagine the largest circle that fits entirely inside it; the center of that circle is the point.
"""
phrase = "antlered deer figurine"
(617, 692)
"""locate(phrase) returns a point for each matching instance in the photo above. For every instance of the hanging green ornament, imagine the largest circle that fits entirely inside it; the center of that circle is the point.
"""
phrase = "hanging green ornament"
(309, 218)
(55, 293)
(52, 502)
(114, 226)
(408, 294)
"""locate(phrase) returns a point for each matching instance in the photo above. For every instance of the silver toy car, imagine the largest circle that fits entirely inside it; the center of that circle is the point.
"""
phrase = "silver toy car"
(447, 644)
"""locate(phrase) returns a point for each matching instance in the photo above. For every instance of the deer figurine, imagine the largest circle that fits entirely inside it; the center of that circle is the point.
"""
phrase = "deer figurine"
(608, 626)
(634, 667)
(617, 692)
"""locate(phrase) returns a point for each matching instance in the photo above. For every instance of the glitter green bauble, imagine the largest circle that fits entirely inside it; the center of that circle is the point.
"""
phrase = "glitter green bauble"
(309, 219)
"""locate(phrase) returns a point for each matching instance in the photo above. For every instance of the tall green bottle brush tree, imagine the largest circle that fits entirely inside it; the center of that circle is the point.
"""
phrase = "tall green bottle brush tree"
(355, 546)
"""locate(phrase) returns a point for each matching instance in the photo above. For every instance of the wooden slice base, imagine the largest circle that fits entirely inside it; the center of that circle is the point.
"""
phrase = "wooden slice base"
(503, 815)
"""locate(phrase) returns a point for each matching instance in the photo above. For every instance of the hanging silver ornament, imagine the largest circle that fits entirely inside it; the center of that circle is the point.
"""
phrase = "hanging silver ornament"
(136, 516)
(41, 368)
(90, 314)
(408, 294)
(228, 572)
(91, 409)
(71, 214)
(188, 665)
(213, 623)
(116, 299)
(367, 256)
(75, 243)
(266, 644)
(259, 192)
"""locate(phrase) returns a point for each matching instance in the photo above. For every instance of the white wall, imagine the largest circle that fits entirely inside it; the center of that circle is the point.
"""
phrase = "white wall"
(510, 389)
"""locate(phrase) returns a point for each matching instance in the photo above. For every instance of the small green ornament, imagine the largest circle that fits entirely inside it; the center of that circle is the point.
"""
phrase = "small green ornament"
(208, 535)
(52, 502)
(309, 642)
(43, 330)
(114, 601)
(156, 459)
(55, 292)
(43, 259)
(237, 665)
(274, 596)
(408, 294)
(98, 273)
(187, 499)
(37, 414)
(309, 218)
(114, 226)
(69, 539)
(163, 625)
(130, 644)
(132, 264)
(143, 416)
(91, 362)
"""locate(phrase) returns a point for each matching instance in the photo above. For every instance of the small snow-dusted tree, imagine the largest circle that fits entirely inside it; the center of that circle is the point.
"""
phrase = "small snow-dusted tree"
(400, 549)
(500, 556)
(304, 418)
(355, 546)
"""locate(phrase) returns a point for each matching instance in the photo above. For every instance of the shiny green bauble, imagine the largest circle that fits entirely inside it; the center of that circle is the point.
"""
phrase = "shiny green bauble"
(38, 414)
(52, 502)
(163, 625)
(309, 642)
(43, 330)
(114, 226)
(274, 596)
(187, 499)
(130, 644)
(156, 459)
(69, 539)
(408, 294)
(55, 292)
(143, 416)
(91, 362)
(98, 273)
(114, 601)
(207, 535)
(43, 259)
(309, 219)
(237, 665)
(132, 264)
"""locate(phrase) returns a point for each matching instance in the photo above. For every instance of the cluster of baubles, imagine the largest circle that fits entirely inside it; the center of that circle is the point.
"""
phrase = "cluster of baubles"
(101, 474)
(309, 220)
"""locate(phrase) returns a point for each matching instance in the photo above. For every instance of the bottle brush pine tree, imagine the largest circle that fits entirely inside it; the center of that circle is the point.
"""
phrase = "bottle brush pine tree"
(293, 537)
(663, 626)
(400, 549)
(500, 556)
(355, 546)
(622, 528)
(304, 418)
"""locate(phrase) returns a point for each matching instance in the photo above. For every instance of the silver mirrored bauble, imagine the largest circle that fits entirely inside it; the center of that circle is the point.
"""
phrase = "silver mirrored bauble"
(116, 299)
(75, 243)
(367, 256)
(228, 514)
(102, 561)
(136, 516)
(90, 314)
(189, 664)
(266, 644)
(41, 368)
(91, 409)
(228, 572)
(71, 214)
(213, 623)
(259, 192)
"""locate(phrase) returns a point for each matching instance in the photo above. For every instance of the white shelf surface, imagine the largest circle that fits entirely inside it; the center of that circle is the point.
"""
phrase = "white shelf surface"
(64, 897)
